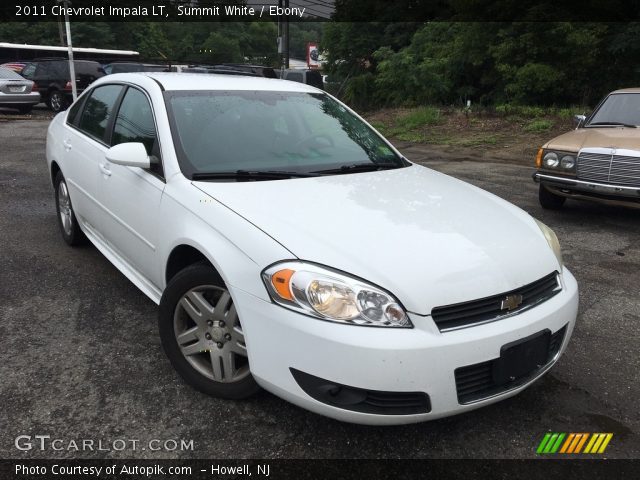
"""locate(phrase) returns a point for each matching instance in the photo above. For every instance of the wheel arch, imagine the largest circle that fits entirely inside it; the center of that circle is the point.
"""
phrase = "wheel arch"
(55, 169)
(181, 257)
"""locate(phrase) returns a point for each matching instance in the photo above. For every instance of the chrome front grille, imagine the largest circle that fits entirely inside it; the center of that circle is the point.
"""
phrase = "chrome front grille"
(610, 167)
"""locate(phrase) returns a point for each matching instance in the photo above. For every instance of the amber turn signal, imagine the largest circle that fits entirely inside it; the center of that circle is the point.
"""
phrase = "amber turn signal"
(539, 158)
(280, 281)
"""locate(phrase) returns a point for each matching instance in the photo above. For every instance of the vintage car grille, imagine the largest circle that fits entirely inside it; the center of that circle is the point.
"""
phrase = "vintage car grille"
(462, 315)
(476, 382)
(609, 168)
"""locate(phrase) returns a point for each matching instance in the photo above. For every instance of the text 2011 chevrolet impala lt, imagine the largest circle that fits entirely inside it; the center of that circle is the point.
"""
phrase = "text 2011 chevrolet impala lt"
(291, 247)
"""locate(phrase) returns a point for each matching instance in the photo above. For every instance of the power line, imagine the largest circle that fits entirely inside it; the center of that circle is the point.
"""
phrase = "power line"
(316, 12)
(322, 3)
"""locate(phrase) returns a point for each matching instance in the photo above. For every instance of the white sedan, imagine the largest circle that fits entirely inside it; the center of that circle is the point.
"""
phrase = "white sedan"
(291, 247)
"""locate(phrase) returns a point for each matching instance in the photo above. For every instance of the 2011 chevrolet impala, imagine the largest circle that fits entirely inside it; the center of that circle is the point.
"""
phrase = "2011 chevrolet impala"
(291, 247)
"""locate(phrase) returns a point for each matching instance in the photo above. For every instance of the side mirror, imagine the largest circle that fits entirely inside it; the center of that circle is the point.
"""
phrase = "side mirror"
(579, 120)
(131, 154)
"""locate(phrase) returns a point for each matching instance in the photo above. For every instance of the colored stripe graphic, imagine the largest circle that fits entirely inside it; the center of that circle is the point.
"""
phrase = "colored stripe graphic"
(598, 442)
(543, 443)
(573, 443)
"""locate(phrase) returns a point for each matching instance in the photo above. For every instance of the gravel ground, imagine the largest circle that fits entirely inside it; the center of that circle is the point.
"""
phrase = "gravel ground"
(80, 356)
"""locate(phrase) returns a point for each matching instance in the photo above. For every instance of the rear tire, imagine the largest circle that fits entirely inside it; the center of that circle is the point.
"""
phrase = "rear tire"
(71, 232)
(549, 200)
(57, 101)
(202, 336)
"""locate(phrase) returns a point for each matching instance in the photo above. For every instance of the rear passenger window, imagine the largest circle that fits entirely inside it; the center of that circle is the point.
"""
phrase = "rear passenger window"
(97, 111)
(29, 70)
(73, 117)
(134, 123)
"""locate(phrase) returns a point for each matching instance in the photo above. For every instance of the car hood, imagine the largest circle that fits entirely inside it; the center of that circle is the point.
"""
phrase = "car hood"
(426, 237)
(607, 137)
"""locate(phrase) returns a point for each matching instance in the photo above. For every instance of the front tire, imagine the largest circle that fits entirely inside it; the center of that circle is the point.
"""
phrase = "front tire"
(71, 232)
(202, 335)
(549, 200)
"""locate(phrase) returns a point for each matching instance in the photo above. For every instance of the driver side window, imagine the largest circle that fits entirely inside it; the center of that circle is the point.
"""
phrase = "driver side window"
(134, 123)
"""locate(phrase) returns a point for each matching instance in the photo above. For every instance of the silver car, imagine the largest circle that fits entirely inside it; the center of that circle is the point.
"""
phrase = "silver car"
(16, 91)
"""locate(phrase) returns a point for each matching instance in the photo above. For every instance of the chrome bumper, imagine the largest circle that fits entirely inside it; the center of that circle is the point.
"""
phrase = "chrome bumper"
(558, 184)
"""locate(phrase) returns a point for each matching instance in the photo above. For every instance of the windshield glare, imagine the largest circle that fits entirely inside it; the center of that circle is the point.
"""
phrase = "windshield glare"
(619, 108)
(270, 131)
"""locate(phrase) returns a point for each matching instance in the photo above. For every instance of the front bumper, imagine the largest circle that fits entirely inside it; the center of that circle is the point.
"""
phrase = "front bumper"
(421, 359)
(584, 190)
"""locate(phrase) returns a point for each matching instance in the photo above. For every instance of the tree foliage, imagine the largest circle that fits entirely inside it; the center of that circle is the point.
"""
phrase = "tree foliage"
(544, 63)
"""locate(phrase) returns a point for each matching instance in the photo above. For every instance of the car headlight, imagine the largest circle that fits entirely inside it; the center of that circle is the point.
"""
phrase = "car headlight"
(552, 240)
(550, 160)
(568, 162)
(554, 160)
(330, 295)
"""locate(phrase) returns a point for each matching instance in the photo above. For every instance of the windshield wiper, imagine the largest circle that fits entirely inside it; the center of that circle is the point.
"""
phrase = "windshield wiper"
(359, 167)
(613, 124)
(250, 175)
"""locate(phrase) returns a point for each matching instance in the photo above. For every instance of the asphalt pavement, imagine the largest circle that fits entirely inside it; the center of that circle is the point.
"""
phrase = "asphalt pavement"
(80, 356)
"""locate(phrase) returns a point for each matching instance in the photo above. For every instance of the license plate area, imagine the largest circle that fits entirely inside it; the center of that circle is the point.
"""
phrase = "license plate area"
(520, 358)
(17, 89)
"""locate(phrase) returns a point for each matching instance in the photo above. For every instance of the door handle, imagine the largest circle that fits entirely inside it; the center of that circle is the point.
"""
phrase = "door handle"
(67, 144)
(104, 168)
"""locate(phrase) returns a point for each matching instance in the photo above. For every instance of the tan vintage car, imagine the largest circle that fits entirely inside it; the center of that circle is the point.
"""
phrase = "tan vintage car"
(599, 160)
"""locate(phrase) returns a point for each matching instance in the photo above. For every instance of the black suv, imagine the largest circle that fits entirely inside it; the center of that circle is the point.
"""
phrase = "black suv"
(53, 80)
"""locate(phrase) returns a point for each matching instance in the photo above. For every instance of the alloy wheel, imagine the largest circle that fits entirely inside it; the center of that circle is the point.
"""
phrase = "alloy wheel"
(64, 208)
(209, 334)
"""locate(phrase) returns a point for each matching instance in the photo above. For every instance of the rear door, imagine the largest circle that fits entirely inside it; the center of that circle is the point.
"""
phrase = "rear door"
(131, 195)
(85, 146)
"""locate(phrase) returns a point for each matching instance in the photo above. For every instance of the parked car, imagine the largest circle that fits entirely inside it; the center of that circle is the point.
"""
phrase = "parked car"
(53, 79)
(17, 92)
(229, 69)
(128, 67)
(15, 66)
(599, 160)
(308, 77)
(290, 246)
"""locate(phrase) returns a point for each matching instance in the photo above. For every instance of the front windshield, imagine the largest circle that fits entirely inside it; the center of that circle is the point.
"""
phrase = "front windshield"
(228, 131)
(618, 109)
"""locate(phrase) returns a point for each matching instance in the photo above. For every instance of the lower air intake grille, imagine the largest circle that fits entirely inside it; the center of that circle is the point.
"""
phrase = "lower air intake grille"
(361, 400)
(467, 314)
(475, 382)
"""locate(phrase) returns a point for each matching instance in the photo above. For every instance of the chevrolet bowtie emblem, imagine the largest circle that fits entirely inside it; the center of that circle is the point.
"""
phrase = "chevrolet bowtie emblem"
(511, 302)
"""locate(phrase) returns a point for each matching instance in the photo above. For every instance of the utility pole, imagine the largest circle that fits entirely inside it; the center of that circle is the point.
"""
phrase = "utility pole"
(60, 33)
(283, 34)
(286, 35)
(72, 69)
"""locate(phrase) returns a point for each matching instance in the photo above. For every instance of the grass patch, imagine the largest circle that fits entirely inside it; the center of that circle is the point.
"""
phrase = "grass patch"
(478, 141)
(539, 125)
(419, 118)
(415, 137)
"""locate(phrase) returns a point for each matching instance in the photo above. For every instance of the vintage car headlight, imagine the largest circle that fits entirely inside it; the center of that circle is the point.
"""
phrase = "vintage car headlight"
(330, 295)
(568, 162)
(552, 240)
(555, 160)
(550, 160)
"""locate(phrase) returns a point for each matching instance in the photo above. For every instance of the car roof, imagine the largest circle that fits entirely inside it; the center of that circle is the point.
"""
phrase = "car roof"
(211, 81)
(627, 90)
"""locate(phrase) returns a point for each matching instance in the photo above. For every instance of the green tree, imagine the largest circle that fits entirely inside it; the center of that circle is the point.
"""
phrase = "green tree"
(153, 42)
